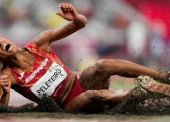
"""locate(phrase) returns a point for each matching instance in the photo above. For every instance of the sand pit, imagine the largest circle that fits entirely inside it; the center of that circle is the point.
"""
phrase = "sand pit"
(118, 118)
(152, 110)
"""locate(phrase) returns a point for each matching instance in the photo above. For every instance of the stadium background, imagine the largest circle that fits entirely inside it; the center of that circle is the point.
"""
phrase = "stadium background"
(136, 30)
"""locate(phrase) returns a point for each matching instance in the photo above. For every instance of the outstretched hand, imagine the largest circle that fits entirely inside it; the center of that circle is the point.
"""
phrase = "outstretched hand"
(68, 12)
(5, 84)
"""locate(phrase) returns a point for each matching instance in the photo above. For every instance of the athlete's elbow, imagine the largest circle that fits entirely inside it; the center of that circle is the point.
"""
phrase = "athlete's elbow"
(81, 21)
(84, 22)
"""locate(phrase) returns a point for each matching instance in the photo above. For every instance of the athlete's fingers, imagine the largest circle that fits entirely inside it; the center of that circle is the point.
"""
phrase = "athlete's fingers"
(1, 92)
(5, 83)
(3, 76)
(70, 7)
(63, 7)
(60, 14)
(6, 89)
(67, 7)
(4, 80)
(60, 6)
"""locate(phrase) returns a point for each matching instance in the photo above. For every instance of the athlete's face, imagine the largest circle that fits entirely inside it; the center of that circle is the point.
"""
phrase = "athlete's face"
(7, 48)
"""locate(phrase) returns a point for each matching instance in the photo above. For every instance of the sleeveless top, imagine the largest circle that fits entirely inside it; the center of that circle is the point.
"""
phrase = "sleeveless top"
(46, 76)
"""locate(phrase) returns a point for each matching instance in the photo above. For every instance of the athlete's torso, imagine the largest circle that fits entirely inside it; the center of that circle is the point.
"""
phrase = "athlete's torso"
(46, 76)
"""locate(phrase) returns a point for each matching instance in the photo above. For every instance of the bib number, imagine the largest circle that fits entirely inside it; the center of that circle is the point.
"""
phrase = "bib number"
(49, 81)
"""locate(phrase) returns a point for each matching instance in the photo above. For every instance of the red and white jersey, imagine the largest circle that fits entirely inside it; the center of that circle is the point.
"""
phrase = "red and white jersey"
(47, 75)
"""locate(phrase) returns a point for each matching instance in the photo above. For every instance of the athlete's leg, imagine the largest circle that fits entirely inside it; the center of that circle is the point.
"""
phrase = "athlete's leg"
(107, 96)
(96, 99)
(97, 75)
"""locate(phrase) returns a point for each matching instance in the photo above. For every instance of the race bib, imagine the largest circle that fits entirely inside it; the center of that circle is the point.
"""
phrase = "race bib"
(49, 81)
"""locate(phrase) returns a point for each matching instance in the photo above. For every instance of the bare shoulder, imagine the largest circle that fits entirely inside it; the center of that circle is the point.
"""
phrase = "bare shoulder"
(42, 40)
(7, 71)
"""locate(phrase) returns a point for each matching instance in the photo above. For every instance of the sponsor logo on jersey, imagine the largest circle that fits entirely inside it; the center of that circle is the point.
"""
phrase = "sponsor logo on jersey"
(43, 64)
(21, 75)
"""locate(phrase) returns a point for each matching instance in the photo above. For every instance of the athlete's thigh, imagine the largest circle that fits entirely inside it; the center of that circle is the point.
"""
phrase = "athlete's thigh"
(94, 78)
(85, 102)
(95, 100)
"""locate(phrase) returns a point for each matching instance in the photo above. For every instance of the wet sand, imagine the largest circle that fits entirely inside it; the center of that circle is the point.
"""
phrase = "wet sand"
(91, 118)
(18, 100)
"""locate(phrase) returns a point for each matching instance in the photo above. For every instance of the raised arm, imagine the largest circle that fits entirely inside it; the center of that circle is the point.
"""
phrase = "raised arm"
(5, 86)
(68, 12)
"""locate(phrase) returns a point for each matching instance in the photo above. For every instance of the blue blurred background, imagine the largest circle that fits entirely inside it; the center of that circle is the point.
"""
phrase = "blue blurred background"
(136, 30)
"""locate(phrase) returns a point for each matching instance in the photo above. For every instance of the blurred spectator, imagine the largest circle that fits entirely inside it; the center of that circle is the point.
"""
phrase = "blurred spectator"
(156, 14)
(115, 29)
